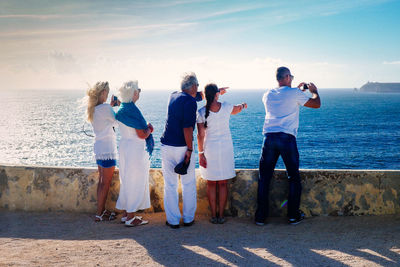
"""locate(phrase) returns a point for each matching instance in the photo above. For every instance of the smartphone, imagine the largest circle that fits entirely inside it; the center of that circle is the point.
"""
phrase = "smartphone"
(305, 86)
(115, 99)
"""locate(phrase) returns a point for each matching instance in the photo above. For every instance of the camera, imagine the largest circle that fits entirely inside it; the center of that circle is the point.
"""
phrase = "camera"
(305, 86)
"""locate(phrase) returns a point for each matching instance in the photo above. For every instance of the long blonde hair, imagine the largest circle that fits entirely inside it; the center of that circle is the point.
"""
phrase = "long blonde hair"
(93, 95)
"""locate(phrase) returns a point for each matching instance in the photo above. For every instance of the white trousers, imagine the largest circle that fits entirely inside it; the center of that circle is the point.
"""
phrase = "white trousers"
(171, 156)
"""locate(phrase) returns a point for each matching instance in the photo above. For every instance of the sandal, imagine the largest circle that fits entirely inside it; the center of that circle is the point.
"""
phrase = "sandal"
(214, 220)
(125, 218)
(98, 218)
(135, 221)
(111, 216)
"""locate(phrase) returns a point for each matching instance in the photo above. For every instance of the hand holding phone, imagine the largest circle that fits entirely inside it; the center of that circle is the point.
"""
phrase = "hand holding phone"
(114, 101)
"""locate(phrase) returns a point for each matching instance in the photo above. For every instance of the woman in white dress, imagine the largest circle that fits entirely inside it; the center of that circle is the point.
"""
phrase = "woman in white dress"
(214, 140)
(134, 163)
(102, 117)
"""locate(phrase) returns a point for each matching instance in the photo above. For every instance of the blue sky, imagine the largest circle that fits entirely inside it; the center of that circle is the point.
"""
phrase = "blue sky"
(67, 44)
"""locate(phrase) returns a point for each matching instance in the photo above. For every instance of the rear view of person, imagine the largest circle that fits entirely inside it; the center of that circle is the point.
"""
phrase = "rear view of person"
(134, 163)
(102, 117)
(280, 131)
(177, 146)
(214, 140)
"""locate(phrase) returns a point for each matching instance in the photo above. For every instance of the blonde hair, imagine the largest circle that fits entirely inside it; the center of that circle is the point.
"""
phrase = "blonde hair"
(93, 95)
(125, 93)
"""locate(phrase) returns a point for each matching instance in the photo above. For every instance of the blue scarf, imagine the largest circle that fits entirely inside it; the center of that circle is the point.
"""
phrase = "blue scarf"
(130, 115)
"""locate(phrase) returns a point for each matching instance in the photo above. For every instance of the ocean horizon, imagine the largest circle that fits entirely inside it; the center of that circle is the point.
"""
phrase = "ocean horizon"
(351, 130)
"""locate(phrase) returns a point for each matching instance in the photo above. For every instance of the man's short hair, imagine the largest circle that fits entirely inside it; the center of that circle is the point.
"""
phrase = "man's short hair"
(188, 80)
(281, 73)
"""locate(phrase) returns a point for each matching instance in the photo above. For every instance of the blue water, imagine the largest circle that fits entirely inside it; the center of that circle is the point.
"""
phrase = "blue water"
(350, 131)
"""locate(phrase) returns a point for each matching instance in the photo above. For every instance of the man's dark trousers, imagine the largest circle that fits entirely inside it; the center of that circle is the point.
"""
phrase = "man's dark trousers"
(275, 145)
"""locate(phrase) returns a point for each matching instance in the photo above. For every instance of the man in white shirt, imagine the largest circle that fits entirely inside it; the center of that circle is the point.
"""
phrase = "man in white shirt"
(280, 131)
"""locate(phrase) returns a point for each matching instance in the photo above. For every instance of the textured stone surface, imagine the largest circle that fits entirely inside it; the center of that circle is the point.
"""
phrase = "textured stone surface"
(325, 192)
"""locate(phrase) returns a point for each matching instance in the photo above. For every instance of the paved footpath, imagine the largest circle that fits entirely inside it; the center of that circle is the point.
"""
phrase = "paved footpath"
(71, 239)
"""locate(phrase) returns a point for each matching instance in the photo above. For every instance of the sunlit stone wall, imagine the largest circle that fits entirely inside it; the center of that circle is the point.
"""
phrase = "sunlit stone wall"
(325, 192)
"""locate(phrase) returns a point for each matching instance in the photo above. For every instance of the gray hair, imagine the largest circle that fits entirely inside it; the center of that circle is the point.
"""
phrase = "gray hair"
(188, 80)
(125, 93)
(281, 73)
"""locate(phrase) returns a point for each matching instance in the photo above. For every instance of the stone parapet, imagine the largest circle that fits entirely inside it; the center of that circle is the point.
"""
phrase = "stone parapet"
(325, 192)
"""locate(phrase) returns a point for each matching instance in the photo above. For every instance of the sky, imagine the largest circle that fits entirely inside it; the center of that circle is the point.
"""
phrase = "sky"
(73, 44)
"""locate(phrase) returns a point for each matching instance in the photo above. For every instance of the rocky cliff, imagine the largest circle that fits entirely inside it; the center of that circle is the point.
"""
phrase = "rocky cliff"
(381, 87)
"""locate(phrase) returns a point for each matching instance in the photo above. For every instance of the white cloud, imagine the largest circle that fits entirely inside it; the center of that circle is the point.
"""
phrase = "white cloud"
(30, 16)
(157, 73)
(110, 30)
(157, 45)
(64, 63)
(391, 62)
(67, 70)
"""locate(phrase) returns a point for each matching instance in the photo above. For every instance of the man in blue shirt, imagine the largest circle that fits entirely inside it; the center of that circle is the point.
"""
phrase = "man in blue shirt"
(177, 145)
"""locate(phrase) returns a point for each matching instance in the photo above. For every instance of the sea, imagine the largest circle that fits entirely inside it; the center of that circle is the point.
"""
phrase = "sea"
(351, 130)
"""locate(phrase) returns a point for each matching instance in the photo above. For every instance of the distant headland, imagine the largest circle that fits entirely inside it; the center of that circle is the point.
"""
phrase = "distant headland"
(380, 87)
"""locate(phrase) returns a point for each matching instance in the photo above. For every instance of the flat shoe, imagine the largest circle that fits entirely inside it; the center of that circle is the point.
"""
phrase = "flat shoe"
(221, 220)
(189, 223)
(173, 226)
(124, 219)
(110, 215)
(135, 221)
(99, 218)
(214, 220)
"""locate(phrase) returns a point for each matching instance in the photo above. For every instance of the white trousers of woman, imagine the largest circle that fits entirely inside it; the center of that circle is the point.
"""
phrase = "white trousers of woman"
(171, 156)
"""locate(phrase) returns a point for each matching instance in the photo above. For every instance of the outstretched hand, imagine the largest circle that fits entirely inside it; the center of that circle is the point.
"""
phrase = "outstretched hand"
(223, 90)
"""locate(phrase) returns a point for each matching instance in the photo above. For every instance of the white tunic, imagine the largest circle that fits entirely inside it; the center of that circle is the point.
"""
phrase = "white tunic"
(218, 147)
(105, 142)
(134, 165)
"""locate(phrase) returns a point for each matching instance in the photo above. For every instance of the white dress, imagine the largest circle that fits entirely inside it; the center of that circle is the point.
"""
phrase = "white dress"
(218, 147)
(134, 165)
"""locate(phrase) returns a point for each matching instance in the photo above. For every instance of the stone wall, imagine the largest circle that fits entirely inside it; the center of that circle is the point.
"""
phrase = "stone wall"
(325, 192)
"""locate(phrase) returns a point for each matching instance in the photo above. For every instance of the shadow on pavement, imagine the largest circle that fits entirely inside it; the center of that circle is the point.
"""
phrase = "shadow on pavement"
(328, 241)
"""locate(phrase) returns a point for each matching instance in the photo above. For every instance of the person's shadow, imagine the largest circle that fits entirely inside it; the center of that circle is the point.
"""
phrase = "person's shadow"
(327, 241)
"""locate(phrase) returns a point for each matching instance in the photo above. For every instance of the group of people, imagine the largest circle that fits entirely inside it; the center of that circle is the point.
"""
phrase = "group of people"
(215, 148)
(135, 144)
